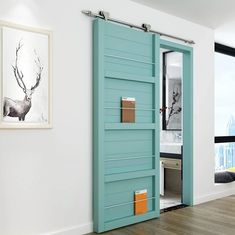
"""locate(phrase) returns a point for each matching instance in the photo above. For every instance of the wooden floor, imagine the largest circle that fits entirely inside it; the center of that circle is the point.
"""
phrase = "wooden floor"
(211, 218)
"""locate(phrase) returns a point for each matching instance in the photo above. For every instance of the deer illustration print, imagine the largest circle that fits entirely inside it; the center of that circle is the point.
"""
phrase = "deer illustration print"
(20, 108)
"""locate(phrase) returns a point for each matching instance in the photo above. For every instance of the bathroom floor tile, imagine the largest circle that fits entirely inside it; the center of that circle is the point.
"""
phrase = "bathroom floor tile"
(170, 199)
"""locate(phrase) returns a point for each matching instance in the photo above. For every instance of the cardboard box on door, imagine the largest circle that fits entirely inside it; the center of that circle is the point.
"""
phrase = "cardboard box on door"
(127, 110)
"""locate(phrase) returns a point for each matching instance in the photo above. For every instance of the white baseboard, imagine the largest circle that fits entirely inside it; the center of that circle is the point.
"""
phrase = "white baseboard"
(74, 230)
(214, 196)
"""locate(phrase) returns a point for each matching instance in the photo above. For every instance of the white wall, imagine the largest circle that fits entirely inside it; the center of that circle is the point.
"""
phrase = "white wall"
(46, 175)
(225, 33)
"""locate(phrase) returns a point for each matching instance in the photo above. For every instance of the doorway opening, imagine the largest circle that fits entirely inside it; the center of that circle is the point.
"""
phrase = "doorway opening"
(176, 187)
(171, 144)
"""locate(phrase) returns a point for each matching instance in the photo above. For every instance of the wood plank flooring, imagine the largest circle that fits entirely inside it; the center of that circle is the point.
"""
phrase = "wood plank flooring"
(211, 218)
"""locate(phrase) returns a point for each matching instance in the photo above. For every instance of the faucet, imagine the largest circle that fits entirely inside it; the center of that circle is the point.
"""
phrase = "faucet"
(178, 137)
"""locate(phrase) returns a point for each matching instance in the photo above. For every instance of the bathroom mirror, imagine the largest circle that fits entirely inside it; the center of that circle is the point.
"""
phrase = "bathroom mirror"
(171, 90)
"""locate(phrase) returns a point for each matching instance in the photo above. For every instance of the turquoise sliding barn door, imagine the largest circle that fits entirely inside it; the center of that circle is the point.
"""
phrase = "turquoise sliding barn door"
(125, 155)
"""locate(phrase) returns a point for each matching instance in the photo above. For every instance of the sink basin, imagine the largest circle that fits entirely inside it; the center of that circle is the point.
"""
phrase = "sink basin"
(170, 148)
(174, 144)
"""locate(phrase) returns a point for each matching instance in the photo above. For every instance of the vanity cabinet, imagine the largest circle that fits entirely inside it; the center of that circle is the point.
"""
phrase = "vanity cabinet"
(171, 163)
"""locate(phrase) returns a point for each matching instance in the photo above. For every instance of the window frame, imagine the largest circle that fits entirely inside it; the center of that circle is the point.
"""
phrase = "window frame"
(230, 51)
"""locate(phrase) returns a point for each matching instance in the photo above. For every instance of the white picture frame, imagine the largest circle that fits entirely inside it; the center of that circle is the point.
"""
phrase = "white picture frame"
(25, 77)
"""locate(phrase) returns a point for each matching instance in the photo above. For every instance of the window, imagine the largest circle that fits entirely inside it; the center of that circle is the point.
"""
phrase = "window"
(224, 107)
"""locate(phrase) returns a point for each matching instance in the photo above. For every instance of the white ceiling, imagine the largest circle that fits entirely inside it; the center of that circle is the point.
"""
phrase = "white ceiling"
(210, 13)
(216, 14)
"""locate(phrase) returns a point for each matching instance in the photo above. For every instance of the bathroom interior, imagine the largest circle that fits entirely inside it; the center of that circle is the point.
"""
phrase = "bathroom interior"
(171, 139)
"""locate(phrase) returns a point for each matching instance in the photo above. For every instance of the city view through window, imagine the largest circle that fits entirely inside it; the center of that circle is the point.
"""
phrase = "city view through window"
(224, 109)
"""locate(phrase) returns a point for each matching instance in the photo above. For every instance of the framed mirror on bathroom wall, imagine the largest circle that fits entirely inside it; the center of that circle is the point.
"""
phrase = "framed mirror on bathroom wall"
(172, 91)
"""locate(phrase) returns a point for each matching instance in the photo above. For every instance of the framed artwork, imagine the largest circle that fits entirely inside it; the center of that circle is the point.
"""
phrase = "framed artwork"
(25, 77)
(172, 91)
(174, 110)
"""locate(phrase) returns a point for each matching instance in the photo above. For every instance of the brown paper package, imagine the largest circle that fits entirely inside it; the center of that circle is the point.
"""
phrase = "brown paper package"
(128, 110)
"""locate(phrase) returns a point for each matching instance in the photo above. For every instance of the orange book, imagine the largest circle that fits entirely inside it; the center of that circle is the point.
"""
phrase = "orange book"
(141, 202)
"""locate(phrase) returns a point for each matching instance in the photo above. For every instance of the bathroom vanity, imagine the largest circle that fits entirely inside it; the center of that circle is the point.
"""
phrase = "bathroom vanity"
(170, 159)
